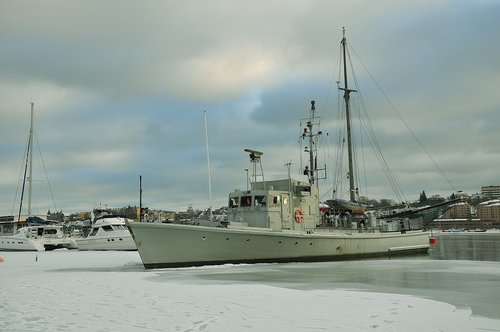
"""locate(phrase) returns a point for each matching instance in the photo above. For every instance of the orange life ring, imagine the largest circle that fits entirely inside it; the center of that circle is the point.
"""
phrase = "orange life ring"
(299, 216)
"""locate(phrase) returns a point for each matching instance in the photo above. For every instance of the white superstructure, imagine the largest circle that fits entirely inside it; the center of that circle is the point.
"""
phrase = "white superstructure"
(109, 232)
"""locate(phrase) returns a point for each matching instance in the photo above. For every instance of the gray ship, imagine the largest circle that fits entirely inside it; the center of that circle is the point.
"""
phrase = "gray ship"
(275, 221)
(278, 221)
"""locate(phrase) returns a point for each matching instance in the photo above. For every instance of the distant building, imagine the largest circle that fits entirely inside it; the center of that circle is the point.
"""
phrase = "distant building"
(489, 212)
(491, 191)
(458, 211)
(459, 215)
(458, 223)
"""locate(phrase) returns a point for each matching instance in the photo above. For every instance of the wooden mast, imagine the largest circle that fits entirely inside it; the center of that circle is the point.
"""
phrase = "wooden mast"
(352, 189)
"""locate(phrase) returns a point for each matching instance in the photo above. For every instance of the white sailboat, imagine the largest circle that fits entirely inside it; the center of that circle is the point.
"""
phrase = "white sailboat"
(33, 233)
(37, 238)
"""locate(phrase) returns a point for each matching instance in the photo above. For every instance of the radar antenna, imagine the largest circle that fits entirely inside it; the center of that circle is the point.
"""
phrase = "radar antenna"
(255, 157)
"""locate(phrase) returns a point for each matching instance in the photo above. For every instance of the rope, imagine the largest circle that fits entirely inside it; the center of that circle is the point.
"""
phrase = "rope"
(45, 171)
(405, 123)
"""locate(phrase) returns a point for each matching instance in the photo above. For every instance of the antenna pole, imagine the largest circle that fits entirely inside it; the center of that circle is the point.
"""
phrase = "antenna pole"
(312, 147)
(208, 162)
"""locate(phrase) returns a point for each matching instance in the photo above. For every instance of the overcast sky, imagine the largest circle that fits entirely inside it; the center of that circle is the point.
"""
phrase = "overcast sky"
(120, 89)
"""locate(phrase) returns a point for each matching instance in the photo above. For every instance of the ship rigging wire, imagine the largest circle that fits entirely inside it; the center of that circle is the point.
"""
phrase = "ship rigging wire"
(365, 132)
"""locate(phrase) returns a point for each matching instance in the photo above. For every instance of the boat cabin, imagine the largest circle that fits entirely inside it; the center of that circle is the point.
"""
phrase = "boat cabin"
(108, 224)
(278, 205)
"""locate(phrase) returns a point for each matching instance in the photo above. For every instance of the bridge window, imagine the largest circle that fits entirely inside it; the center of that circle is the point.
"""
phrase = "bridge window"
(260, 200)
(233, 202)
(246, 200)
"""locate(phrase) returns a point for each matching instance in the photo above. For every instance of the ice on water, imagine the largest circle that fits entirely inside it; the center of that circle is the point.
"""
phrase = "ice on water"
(111, 291)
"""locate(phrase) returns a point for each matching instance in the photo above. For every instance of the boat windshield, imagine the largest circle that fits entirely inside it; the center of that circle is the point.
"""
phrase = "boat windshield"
(107, 228)
(50, 231)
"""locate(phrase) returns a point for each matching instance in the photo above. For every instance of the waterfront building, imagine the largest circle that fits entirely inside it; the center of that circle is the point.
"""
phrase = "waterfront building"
(491, 191)
(459, 210)
(489, 212)
(460, 216)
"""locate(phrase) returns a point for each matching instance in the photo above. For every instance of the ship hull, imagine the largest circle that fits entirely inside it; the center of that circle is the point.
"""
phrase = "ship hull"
(172, 245)
(121, 243)
(37, 238)
(13, 243)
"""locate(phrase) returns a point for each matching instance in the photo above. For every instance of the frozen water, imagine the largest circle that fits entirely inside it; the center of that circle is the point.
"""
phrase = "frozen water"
(110, 291)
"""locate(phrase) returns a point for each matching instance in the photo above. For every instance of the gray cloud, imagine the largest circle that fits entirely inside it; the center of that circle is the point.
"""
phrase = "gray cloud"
(120, 89)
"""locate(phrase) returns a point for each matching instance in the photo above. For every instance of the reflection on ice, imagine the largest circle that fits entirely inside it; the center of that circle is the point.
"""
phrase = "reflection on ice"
(478, 246)
(463, 284)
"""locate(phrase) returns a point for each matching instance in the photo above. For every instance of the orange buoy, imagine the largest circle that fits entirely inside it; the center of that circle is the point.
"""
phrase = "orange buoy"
(299, 216)
(1, 259)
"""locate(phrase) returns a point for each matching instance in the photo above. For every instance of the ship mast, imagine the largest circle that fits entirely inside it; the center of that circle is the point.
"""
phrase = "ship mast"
(312, 168)
(352, 189)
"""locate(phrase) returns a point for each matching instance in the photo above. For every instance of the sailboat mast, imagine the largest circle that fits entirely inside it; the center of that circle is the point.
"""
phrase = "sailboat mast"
(352, 190)
(140, 199)
(30, 175)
